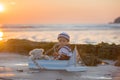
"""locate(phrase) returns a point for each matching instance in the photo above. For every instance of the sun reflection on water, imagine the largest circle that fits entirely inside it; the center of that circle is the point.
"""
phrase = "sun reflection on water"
(1, 35)
(6, 74)
(22, 64)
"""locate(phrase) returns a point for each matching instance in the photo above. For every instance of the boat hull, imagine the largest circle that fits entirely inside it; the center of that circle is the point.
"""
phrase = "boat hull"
(55, 65)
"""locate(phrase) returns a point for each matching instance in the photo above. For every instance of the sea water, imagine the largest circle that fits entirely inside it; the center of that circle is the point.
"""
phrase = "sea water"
(79, 33)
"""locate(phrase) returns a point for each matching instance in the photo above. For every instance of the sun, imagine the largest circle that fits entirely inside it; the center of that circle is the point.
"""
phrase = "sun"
(1, 8)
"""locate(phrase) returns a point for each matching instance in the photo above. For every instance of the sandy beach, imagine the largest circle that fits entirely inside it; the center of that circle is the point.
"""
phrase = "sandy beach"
(15, 67)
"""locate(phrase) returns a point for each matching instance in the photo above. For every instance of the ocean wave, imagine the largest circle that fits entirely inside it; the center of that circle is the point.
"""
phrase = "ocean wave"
(58, 27)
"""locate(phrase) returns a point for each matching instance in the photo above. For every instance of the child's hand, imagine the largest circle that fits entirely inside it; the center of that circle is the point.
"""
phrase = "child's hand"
(55, 54)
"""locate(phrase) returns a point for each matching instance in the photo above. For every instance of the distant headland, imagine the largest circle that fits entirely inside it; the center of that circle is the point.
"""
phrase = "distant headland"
(116, 21)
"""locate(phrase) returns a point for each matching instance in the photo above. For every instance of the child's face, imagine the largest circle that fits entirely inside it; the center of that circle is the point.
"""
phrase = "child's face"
(63, 41)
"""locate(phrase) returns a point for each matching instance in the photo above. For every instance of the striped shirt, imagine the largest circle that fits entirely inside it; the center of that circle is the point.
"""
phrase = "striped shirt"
(65, 50)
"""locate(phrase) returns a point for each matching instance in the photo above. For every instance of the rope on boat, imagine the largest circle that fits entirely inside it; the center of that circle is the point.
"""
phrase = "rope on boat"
(38, 65)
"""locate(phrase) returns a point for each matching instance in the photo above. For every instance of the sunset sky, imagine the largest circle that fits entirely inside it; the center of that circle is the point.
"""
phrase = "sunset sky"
(58, 11)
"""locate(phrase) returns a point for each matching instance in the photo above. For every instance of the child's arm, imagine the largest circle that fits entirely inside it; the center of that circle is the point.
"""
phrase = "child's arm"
(49, 52)
(53, 50)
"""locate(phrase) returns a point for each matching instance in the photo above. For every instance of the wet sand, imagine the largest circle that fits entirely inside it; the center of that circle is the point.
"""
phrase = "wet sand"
(14, 67)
